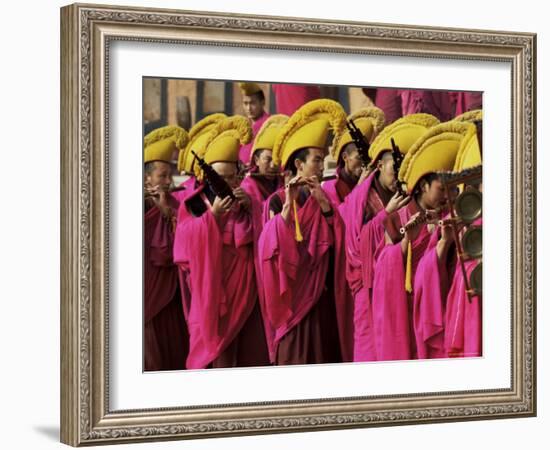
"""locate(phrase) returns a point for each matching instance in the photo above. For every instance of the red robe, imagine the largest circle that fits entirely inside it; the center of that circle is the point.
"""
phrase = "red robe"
(217, 262)
(290, 97)
(259, 190)
(338, 189)
(165, 332)
(304, 286)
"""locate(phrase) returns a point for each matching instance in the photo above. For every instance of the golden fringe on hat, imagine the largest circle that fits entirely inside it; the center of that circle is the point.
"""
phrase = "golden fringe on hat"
(249, 88)
(470, 116)
(469, 153)
(374, 115)
(201, 127)
(265, 139)
(178, 135)
(447, 131)
(161, 142)
(316, 109)
(236, 126)
(414, 125)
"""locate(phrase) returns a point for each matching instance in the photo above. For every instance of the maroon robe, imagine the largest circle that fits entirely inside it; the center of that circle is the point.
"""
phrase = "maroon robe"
(338, 189)
(165, 332)
(307, 301)
(217, 264)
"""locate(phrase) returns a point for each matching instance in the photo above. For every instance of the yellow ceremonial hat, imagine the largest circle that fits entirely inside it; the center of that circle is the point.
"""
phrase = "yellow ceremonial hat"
(470, 116)
(308, 127)
(436, 150)
(249, 88)
(225, 139)
(159, 144)
(405, 132)
(265, 139)
(369, 120)
(469, 153)
(197, 139)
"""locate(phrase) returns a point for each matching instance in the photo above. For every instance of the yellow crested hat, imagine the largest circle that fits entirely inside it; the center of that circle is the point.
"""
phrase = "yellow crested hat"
(470, 116)
(469, 153)
(405, 132)
(249, 88)
(265, 139)
(159, 144)
(369, 120)
(225, 139)
(436, 150)
(197, 138)
(308, 127)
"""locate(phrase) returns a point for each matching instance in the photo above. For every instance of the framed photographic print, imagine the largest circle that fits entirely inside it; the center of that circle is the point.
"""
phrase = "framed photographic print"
(204, 317)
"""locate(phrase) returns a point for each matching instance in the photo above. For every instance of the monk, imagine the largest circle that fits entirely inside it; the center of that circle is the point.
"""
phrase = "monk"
(350, 166)
(165, 331)
(253, 101)
(290, 97)
(213, 247)
(301, 248)
(263, 179)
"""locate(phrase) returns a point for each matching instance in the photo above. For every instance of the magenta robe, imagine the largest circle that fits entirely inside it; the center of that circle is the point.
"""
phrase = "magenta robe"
(389, 101)
(392, 306)
(218, 265)
(464, 318)
(259, 192)
(362, 241)
(431, 286)
(294, 273)
(165, 332)
(290, 97)
(189, 185)
(468, 101)
(244, 152)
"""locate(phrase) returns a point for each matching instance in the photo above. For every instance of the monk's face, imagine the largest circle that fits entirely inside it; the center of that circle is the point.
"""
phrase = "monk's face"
(433, 194)
(352, 161)
(313, 165)
(160, 175)
(253, 106)
(228, 171)
(386, 174)
(264, 161)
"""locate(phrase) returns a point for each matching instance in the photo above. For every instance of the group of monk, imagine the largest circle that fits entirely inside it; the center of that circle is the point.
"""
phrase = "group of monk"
(290, 268)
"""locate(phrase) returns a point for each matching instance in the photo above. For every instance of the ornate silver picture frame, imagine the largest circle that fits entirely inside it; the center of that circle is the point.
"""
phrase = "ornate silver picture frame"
(87, 414)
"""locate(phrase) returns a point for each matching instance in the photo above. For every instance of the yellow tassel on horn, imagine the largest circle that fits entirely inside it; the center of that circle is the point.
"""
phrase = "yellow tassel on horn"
(408, 270)
(299, 237)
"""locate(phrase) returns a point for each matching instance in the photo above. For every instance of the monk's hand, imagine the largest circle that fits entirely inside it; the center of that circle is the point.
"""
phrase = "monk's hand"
(159, 194)
(317, 193)
(397, 202)
(365, 172)
(242, 197)
(292, 189)
(221, 206)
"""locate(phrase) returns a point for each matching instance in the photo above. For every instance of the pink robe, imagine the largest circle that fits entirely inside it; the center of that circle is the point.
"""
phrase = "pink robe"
(290, 97)
(259, 193)
(431, 286)
(189, 185)
(165, 333)
(464, 318)
(294, 274)
(389, 101)
(362, 241)
(218, 265)
(392, 306)
(467, 101)
(244, 152)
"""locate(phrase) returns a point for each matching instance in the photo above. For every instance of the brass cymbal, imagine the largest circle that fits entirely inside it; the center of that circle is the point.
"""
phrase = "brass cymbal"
(476, 282)
(472, 242)
(468, 205)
